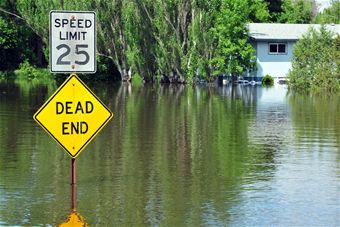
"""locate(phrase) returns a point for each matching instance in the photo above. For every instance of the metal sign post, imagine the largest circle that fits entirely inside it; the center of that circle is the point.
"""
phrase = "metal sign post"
(73, 115)
(73, 185)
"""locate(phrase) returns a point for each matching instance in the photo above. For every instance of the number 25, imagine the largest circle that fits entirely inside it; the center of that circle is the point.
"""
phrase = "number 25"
(60, 60)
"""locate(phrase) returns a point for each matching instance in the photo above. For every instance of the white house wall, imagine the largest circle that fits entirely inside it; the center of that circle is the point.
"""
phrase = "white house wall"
(275, 65)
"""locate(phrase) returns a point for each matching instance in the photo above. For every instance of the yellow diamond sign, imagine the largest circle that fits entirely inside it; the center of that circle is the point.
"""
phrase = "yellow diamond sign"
(73, 115)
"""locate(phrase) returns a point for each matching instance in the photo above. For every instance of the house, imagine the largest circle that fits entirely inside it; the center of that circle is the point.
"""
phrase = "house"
(274, 45)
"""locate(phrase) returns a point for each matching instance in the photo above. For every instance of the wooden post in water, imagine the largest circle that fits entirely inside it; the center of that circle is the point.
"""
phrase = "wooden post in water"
(73, 185)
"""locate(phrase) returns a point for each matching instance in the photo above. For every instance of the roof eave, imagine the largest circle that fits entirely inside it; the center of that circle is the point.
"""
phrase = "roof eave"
(273, 39)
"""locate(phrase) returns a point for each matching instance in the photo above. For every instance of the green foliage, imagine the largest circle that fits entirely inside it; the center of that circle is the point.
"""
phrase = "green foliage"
(14, 44)
(137, 81)
(267, 80)
(181, 39)
(296, 11)
(29, 72)
(233, 55)
(315, 64)
(106, 70)
(18, 42)
(274, 8)
(330, 14)
(5, 75)
(258, 11)
(36, 13)
(8, 45)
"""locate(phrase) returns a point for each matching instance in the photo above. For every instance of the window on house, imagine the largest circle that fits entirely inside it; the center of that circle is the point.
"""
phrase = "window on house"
(277, 48)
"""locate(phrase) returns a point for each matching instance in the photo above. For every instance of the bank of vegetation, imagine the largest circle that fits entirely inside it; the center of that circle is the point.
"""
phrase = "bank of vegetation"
(164, 40)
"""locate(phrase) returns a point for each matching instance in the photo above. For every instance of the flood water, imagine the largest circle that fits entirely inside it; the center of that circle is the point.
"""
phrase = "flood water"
(176, 156)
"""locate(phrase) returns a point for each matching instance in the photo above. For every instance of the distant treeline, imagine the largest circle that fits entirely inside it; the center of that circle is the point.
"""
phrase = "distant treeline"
(173, 40)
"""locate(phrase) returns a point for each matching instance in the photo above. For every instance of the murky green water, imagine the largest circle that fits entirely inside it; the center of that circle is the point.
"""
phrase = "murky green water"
(177, 156)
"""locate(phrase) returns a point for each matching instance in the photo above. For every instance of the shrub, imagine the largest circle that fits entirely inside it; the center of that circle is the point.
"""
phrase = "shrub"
(315, 63)
(267, 80)
(27, 71)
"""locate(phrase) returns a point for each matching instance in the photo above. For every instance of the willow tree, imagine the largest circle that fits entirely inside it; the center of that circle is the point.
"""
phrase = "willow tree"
(35, 13)
(201, 45)
(171, 20)
(181, 30)
(112, 37)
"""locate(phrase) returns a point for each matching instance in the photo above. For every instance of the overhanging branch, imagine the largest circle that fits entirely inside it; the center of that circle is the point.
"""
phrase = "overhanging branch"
(19, 17)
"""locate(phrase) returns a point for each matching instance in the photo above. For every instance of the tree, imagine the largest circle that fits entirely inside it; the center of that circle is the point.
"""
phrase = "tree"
(274, 8)
(257, 11)
(177, 40)
(201, 42)
(17, 40)
(8, 45)
(234, 54)
(330, 14)
(316, 62)
(297, 11)
(112, 35)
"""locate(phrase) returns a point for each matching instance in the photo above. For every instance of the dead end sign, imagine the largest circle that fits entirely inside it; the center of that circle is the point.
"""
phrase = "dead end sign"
(73, 115)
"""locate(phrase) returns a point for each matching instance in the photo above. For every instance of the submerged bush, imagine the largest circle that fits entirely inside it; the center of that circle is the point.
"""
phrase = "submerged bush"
(315, 64)
(268, 80)
(27, 71)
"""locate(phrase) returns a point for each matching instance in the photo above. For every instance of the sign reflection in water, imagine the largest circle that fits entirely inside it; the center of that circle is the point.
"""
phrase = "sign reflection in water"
(74, 220)
(177, 156)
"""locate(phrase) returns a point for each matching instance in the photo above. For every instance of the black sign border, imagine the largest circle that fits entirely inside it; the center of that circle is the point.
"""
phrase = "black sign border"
(95, 40)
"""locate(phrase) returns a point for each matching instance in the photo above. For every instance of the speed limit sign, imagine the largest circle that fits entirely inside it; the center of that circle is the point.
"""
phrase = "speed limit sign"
(72, 41)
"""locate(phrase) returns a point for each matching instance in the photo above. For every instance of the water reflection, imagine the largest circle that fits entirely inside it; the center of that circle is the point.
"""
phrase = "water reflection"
(271, 129)
(74, 219)
(170, 164)
(176, 156)
(249, 94)
(320, 127)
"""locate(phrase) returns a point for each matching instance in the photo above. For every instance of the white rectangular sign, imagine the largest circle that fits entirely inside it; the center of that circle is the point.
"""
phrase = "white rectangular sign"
(72, 41)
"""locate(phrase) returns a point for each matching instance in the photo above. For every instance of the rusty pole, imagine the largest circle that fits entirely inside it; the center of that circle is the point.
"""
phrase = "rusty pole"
(73, 185)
